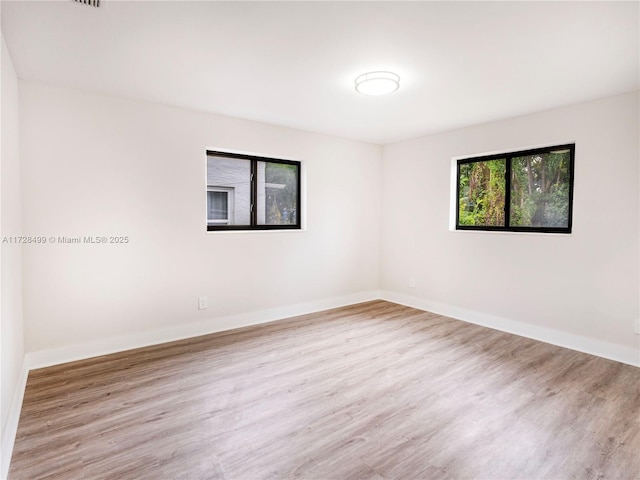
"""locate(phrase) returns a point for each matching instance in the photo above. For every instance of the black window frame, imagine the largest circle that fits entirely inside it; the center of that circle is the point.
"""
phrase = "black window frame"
(254, 193)
(508, 156)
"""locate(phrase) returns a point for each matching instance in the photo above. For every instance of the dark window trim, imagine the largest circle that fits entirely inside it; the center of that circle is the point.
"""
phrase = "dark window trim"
(254, 193)
(507, 156)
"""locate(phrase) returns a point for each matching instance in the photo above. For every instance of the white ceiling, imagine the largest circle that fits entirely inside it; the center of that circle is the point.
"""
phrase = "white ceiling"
(293, 64)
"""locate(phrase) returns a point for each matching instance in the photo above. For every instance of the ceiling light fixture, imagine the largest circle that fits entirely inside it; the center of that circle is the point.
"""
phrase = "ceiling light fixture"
(377, 83)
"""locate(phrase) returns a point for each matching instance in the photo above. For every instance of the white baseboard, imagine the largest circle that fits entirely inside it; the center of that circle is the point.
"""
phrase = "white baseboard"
(11, 427)
(611, 351)
(70, 353)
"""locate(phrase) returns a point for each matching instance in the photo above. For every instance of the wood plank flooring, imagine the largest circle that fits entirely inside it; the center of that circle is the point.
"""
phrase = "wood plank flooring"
(370, 391)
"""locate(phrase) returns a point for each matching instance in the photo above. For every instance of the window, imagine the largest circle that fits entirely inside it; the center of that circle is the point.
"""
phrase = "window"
(219, 206)
(246, 192)
(528, 191)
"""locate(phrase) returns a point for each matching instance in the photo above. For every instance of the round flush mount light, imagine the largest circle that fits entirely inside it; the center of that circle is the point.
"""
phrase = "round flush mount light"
(377, 83)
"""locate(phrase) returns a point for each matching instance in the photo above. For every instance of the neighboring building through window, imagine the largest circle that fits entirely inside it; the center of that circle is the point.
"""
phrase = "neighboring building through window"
(526, 191)
(246, 192)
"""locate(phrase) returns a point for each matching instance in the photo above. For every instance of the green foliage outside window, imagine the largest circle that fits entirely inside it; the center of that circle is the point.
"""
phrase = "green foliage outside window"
(281, 206)
(482, 191)
(538, 191)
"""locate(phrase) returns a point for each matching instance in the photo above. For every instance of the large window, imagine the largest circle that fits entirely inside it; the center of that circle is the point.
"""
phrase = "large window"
(246, 192)
(528, 191)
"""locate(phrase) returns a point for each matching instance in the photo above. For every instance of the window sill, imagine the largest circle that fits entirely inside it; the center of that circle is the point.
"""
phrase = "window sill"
(498, 232)
(253, 232)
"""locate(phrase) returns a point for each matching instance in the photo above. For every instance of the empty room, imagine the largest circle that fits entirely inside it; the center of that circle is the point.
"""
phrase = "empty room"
(320, 240)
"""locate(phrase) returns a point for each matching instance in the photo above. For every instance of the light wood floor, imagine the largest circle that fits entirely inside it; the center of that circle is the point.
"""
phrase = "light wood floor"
(371, 391)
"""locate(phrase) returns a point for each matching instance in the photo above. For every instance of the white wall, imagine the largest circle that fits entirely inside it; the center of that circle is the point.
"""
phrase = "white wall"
(98, 165)
(585, 285)
(12, 342)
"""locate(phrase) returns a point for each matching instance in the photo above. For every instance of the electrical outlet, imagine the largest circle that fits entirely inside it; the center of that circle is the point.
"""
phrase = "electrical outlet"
(203, 303)
(637, 329)
(412, 282)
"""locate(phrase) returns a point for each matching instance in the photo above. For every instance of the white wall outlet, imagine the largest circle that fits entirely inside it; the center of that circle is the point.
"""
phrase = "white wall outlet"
(203, 303)
(637, 326)
(412, 282)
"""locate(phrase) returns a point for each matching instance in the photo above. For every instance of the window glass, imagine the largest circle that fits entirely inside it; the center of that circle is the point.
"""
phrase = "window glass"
(227, 176)
(540, 190)
(481, 192)
(526, 191)
(277, 193)
(250, 192)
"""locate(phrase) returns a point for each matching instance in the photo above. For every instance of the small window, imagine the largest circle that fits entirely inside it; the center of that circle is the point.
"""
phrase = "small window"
(246, 192)
(219, 206)
(527, 191)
